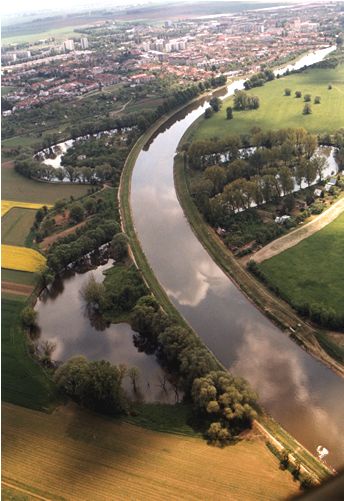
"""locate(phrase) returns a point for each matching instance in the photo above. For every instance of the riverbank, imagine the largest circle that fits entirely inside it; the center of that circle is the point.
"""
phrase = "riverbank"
(274, 308)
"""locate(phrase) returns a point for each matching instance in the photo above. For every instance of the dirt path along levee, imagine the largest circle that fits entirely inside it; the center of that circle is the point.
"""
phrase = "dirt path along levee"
(286, 241)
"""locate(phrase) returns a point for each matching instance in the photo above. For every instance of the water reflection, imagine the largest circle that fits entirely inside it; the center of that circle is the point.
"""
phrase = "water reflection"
(300, 392)
(65, 321)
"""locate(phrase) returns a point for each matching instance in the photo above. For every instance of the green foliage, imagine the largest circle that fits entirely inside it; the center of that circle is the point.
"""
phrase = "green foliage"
(76, 213)
(226, 399)
(243, 101)
(119, 247)
(96, 384)
(28, 317)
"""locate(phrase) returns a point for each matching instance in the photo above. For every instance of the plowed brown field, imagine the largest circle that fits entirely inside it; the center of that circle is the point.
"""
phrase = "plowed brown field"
(77, 456)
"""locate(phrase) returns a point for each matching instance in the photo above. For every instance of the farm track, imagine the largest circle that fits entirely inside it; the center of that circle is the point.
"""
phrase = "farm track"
(286, 241)
(18, 289)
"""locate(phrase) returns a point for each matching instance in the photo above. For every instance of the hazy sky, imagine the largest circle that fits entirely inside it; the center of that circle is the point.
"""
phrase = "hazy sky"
(21, 6)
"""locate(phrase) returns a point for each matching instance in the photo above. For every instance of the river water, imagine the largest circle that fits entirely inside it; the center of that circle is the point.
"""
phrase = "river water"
(297, 390)
(63, 320)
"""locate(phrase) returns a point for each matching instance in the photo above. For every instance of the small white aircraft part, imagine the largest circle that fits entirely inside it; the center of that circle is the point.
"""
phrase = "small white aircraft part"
(322, 451)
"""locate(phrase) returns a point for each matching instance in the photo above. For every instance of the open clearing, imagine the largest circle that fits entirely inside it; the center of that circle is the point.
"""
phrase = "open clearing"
(278, 111)
(293, 238)
(22, 380)
(76, 455)
(312, 271)
(19, 188)
(15, 226)
(18, 277)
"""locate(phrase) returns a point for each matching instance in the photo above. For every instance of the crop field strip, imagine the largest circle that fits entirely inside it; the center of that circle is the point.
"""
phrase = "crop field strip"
(104, 459)
(7, 205)
(21, 258)
(16, 225)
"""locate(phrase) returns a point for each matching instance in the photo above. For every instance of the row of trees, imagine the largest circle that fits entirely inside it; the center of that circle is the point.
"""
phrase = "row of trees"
(225, 403)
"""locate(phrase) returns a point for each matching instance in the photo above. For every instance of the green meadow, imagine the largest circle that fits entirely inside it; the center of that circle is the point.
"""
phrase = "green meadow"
(278, 111)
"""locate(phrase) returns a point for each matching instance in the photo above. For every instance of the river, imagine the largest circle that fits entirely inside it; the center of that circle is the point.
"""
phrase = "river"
(297, 390)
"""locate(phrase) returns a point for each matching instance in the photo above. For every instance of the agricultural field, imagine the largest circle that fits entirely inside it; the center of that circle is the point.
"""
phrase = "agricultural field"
(17, 187)
(23, 381)
(312, 271)
(18, 277)
(21, 258)
(277, 111)
(15, 226)
(77, 455)
(7, 205)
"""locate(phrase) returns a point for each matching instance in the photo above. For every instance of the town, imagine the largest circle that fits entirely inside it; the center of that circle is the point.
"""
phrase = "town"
(127, 54)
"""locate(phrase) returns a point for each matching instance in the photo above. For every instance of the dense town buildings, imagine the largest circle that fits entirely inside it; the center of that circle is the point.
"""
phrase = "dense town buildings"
(184, 51)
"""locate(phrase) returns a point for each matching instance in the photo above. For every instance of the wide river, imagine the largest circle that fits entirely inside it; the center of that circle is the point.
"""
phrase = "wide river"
(298, 391)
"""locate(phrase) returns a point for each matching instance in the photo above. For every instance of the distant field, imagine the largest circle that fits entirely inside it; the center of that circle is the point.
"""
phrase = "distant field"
(19, 188)
(278, 111)
(15, 226)
(313, 270)
(23, 382)
(74, 455)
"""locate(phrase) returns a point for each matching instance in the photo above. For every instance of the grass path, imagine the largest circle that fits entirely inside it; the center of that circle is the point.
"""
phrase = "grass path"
(293, 238)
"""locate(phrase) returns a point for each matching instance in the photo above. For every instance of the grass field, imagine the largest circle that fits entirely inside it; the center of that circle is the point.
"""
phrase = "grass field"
(74, 455)
(57, 33)
(313, 270)
(19, 188)
(21, 258)
(23, 382)
(15, 226)
(278, 111)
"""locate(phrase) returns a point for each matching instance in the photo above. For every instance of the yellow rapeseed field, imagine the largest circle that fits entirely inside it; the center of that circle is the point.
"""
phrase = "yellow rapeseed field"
(21, 258)
(7, 205)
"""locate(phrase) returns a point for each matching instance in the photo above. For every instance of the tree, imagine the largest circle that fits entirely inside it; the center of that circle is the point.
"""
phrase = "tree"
(208, 112)
(229, 113)
(329, 86)
(298, 94)
(317, 100)
(76, 212)
(215, 103)
(93, 293)
(287, 92)
(286, 180)
(217, 175)
(319, 163)
(29, 317)
(119, 247)
(307, 98)
(307, 109)
(226, 399)
(134, 375)
(310, 172)
(96, 384)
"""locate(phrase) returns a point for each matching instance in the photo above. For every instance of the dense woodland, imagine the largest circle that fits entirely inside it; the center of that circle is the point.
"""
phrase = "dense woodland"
(230, 177)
